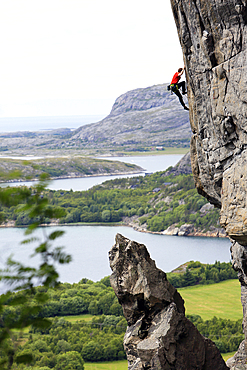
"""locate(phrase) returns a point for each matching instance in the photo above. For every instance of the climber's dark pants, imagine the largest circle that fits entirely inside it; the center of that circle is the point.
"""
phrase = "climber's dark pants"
(175, 89)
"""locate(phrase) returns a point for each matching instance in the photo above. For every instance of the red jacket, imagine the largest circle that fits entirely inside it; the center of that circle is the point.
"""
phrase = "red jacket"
(175, 79)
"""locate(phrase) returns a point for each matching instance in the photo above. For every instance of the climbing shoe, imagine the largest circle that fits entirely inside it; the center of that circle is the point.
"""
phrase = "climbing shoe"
(185, 92)
(186, 108)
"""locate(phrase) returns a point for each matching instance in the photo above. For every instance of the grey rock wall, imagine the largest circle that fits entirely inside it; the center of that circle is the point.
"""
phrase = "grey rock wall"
(213, 36)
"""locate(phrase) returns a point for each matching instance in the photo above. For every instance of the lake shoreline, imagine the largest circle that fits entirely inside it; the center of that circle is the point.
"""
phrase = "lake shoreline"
(196, 233)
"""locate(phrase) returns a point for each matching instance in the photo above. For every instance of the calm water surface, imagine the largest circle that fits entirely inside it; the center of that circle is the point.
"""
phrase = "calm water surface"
(89, 246)
(149, 163)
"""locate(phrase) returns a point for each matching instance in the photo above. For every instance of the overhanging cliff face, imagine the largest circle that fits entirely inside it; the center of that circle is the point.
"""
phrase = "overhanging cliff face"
(213, 34)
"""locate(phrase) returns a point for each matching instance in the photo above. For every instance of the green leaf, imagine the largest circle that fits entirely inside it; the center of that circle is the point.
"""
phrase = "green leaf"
(56, 234)
(30, 240)
(17, 301)
(42, 248)
(27, 358)
(60, 256)
(59, 212)
(31, 228)
(41, 323)
(42, 297)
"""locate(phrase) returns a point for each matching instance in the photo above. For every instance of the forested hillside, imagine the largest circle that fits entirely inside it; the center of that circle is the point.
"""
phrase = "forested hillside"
(152, 203)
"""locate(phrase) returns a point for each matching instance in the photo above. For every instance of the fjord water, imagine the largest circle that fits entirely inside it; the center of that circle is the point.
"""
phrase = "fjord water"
(89, 245)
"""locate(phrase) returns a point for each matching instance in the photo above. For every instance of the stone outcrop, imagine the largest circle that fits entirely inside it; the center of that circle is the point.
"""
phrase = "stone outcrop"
(183, 167)
(183, 230)
(189, 230)
(213, 34)
(159, 336)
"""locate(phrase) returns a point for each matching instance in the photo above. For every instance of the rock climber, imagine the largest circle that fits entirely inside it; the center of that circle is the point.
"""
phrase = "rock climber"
(175, 86)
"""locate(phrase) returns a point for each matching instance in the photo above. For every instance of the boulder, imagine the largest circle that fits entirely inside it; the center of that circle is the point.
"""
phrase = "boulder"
(171, 230)
(185, 230)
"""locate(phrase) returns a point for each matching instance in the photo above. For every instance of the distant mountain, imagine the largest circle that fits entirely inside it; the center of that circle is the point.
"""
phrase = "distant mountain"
(139, 118)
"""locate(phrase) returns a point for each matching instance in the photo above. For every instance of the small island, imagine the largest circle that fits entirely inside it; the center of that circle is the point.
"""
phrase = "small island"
(12, 170)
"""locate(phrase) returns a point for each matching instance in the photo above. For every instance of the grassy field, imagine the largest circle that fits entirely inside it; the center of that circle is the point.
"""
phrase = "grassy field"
(123, 365)
(114, 365)
(220, 300)
(228, 355)
(166, 151)
(86, 317)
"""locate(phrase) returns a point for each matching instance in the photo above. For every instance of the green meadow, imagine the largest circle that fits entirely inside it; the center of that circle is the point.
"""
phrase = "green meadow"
(123, 365)
(220, 300)
(74, 318)
(114, 365)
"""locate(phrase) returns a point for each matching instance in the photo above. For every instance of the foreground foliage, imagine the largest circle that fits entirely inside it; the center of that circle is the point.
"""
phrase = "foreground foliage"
(19, 311)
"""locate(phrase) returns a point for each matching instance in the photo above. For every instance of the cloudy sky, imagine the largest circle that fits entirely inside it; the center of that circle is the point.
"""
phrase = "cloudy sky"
(75, 57)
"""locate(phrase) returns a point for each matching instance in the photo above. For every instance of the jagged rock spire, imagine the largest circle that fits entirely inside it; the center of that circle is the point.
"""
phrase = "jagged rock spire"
(159, 336)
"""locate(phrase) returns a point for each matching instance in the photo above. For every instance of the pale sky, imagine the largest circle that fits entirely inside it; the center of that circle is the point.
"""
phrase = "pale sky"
(75, 57)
